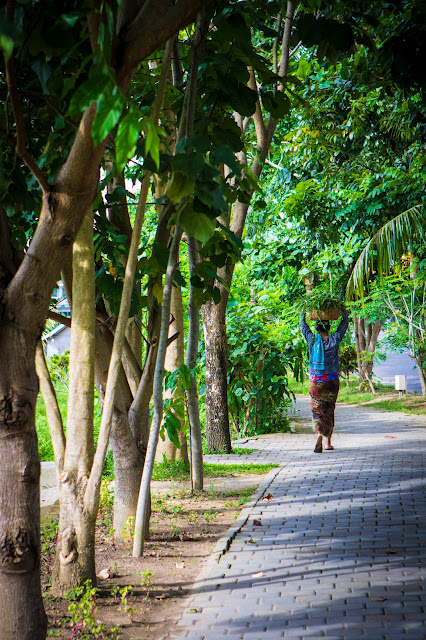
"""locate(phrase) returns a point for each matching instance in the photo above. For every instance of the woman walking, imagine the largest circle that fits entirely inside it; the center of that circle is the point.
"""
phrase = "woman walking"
(324, 370)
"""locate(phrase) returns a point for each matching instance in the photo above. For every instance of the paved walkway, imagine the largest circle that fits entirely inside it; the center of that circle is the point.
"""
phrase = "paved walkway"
(335, 551)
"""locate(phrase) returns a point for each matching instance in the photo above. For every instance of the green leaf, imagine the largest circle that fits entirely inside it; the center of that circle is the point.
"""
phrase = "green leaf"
(93, 89)
(152, 142)
(241, 98)
(109, 112)
(197, 225)
(179, 279)
(185, 375)
(173, 426)
(127, 136)
(8, 35)
(43, 71)
(276, 104)
(181, 185)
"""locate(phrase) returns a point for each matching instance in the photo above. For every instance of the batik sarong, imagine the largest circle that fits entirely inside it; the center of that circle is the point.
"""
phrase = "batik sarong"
(323, 402)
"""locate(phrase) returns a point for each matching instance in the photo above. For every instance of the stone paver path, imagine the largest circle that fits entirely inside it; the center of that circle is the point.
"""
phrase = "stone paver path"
(335, 551)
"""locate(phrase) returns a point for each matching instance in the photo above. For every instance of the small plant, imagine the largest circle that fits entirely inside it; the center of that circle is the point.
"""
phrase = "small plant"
(146, 581)
(128, 533)
(124, 593)
(106, 501)
(115, 592)
(209, 515)
(175, 531)
(48, 536)
(177, 510)
(58, 366)
(82, 612)
(192, 517)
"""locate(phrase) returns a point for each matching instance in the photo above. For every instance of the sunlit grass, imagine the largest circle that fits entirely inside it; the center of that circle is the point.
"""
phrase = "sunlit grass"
(177, 470)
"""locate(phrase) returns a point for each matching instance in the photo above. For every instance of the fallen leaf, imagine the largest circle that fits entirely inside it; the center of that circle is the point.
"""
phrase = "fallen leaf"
(390, 436)
(195, 610)
(180, 565)
(251, 541)
(161, 596)
(378, 599)
(257, 575)
(257, 523)
(268, 497)
(391, 551)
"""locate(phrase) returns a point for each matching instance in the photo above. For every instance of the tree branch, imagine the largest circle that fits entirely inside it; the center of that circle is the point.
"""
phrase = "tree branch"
(259, 124)
(276, 43)
(144, 35)
(20, 139)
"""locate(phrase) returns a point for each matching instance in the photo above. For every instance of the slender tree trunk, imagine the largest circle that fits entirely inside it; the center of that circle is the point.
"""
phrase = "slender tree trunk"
(193, 408)
(75, 560)
(174, 358)
(127, 451)
(53, 413)
(142, 513)
(216, 353)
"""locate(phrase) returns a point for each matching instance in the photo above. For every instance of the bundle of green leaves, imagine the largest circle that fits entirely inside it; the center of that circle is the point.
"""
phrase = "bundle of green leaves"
(321, 300)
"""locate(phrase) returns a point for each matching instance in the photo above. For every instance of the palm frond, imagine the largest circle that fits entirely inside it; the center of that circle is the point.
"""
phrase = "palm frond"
(385, 248)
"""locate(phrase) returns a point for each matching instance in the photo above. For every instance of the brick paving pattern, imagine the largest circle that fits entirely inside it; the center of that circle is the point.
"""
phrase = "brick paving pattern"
(337, 551)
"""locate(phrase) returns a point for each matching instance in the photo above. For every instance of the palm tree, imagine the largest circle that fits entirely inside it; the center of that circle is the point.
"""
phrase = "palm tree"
(383, 252)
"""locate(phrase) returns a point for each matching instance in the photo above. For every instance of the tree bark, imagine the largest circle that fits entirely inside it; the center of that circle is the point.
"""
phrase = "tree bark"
(21, 607)
(366, 337)
(75, 559)
(193, 409)
(216, 354)
(54, 417)
(142, 513)
(127, 451)
(174, 358)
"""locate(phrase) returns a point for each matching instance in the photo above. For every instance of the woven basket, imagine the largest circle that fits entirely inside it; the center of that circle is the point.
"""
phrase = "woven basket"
(326, 314)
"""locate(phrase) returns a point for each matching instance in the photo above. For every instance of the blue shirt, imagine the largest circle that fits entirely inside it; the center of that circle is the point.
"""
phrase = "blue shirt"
(331, 345)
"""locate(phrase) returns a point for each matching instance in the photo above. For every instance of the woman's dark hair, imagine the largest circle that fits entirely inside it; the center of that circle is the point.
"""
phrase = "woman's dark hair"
(322, 326)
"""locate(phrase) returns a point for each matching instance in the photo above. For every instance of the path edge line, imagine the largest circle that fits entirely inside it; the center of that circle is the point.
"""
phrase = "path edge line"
(226, 539)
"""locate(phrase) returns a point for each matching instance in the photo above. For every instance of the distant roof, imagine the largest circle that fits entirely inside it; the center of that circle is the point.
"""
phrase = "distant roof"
(54, 332)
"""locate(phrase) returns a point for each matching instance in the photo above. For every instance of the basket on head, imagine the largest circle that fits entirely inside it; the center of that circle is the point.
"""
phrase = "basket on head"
(325, 314)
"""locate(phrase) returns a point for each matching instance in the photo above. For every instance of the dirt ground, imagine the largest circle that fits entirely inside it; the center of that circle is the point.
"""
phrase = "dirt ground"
(184, 532)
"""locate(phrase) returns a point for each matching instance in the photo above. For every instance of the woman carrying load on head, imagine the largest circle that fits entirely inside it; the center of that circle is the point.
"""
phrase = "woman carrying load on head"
(324, 370)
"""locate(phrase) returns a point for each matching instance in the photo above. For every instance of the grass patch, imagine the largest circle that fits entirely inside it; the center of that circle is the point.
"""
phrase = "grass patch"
(406, 404)
(175, 470)
(211, 470)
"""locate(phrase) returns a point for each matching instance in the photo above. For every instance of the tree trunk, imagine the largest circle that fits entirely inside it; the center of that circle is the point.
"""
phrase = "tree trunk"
(216, 353)
(366, 337)
(53, 413)
(142, 514)
(193, 409)
(127, 452)
(420, 359)
(75, 559)
(174, 358)
(21, 607)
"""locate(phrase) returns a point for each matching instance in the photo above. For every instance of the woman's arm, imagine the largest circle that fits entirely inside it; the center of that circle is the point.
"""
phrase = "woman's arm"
(307, 333)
